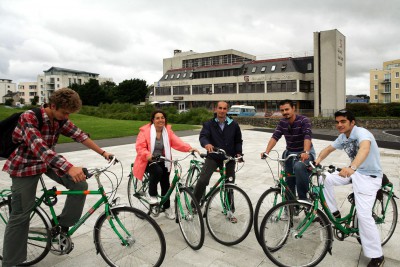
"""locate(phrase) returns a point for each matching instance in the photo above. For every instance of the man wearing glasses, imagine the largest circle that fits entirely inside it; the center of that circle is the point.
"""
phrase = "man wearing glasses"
(297, 131)
(364, 172)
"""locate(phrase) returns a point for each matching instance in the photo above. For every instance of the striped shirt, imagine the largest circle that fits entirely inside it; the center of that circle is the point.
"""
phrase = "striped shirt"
(36, 152)
(294, 133)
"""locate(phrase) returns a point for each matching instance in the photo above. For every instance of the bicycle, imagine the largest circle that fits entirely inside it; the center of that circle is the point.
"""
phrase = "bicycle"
(307, 234)
(123, 236)
(188, 212)
(228, 209)
(274, 195)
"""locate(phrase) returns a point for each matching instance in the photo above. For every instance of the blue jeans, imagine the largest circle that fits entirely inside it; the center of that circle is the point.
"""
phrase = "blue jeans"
(298, 174)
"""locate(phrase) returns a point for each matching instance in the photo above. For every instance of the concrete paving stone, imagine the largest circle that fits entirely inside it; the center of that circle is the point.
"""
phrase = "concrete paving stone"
(254, 177)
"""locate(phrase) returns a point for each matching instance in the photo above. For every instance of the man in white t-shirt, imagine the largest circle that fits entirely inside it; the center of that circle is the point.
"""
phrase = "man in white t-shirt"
(364, 172)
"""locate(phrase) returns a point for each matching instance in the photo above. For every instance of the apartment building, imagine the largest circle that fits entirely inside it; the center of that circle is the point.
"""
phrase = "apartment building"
(6, 85)
(56, 78)
(193, 79)
(27, 91)
(385, 83)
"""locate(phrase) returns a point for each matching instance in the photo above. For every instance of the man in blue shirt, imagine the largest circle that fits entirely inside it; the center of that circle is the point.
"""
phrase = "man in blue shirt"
(222, 132)
(297, 132)
(364, 172)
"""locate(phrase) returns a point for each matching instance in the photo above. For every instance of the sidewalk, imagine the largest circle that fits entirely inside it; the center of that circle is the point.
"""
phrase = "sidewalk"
(254, 178)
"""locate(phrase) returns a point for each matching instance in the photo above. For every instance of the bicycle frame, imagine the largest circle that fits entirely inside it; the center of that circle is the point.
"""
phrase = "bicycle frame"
(48, 194)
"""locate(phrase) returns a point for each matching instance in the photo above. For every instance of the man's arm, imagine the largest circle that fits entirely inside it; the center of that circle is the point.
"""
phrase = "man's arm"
(271, 144)
(89, 143)
(324, 153)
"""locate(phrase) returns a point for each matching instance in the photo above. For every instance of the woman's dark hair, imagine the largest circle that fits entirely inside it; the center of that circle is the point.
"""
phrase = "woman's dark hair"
(153, 114)
(345, 113)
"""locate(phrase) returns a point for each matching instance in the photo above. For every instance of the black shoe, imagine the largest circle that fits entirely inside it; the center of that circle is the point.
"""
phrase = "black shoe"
(337, 214)
(376, 262)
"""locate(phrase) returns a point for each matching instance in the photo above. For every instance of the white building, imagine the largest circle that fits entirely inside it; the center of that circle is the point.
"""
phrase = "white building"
(316, 83)
(27, 91)
(6, 85)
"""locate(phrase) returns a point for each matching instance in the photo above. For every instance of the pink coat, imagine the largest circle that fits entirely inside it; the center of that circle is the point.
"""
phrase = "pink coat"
(143, 148)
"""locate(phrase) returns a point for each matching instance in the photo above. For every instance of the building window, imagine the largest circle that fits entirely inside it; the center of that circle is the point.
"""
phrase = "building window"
(58, 85)
(184, 75)
(376, 77)
(257, 87)
(172, 76)
(309, 66)
(397, 75)
(254, 69)
(283, 67)
(191, 75)
(225, 88)
(58, 79)
(181, 90)
(273, 67)
(163, 90)
(281, 86)
(397, 96)
(397, 86)
(376, 97)
(178, 75)
(375, 87)
(263, 69)
(201, 89)
(20, 87)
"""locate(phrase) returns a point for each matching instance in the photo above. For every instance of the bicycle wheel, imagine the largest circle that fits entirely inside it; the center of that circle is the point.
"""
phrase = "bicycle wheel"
(268, 199)
(39, 236)
(190, 218)
(385, 220)
(136, 190)
(229, 215)
(295, 239)
(192, 177)
(145, 242)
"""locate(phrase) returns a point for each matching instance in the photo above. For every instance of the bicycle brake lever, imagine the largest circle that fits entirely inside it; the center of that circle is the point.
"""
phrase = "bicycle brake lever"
(86, 172)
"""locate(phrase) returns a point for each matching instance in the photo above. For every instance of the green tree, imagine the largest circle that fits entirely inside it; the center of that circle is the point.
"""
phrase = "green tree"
(34, 100)
(91, 93)
(109, 89)
(131, 91)
(9, 102)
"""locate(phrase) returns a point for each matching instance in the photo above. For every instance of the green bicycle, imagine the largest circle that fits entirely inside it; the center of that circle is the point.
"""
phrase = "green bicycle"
(228, 209)
(274, 195)
(306, 232)
(188, 212)
(123, 236)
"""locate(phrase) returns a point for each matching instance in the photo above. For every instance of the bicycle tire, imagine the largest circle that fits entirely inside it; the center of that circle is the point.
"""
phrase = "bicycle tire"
(386, 226)
(280, 240)
(267, 200)
(145, 247)
(220, 225)
(136, 189)
(192, 177)
(190, 218)
(39, 237)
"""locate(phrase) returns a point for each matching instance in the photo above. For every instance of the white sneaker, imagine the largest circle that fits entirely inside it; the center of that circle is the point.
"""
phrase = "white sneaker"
(150, 199)
(170, 214)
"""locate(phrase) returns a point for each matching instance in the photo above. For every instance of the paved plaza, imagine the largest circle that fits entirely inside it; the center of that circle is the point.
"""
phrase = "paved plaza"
(254, 177)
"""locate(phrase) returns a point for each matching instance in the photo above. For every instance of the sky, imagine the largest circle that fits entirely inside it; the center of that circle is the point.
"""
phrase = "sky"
(128, 39)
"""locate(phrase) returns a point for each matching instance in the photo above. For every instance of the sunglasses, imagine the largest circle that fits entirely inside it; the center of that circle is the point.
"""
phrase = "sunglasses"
(342, 111)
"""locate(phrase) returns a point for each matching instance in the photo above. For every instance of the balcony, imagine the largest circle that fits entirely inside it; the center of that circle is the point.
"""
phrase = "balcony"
(384, 81)
(385, 91)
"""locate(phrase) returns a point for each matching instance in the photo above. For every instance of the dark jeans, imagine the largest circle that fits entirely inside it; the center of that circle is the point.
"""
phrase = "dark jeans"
(158, 174)
(210, 165)
(23, 200)
(297, 174)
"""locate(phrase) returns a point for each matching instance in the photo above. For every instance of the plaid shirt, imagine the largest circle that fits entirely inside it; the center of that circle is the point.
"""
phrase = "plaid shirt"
(36, 152)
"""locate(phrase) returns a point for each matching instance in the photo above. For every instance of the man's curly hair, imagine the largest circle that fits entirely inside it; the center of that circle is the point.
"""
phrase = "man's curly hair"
(66, 98)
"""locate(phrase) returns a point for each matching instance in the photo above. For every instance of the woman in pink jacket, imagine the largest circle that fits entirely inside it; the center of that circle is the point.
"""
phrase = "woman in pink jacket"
(157, 139)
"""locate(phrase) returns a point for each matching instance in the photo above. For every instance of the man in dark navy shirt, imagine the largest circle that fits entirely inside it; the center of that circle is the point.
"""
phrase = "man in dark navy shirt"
(297, 132)
(222, 132)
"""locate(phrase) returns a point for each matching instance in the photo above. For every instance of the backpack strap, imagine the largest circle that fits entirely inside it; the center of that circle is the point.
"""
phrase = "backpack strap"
(38, 114)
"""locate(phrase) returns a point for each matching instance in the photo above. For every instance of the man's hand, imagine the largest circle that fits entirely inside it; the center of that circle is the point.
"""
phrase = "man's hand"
(346, 172)
(209, 148)
(77, 174)
(108, 156)
(304, 156)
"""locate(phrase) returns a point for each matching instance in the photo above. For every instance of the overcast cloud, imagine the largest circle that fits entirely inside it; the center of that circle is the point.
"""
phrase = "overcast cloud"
(125, 39)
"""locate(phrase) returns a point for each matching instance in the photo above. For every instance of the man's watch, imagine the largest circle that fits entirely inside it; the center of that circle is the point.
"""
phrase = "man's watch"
(353, 168)
(307, 152)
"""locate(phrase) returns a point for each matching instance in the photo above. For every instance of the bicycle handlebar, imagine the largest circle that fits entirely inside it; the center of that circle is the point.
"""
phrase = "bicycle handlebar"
(220, 151)
(92, 171)
(265, 155)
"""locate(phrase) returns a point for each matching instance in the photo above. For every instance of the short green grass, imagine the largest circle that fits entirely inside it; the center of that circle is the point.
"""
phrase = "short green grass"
(100, 128)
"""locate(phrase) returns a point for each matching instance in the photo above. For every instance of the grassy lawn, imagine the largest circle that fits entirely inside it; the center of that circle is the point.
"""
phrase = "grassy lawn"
(99, 128)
